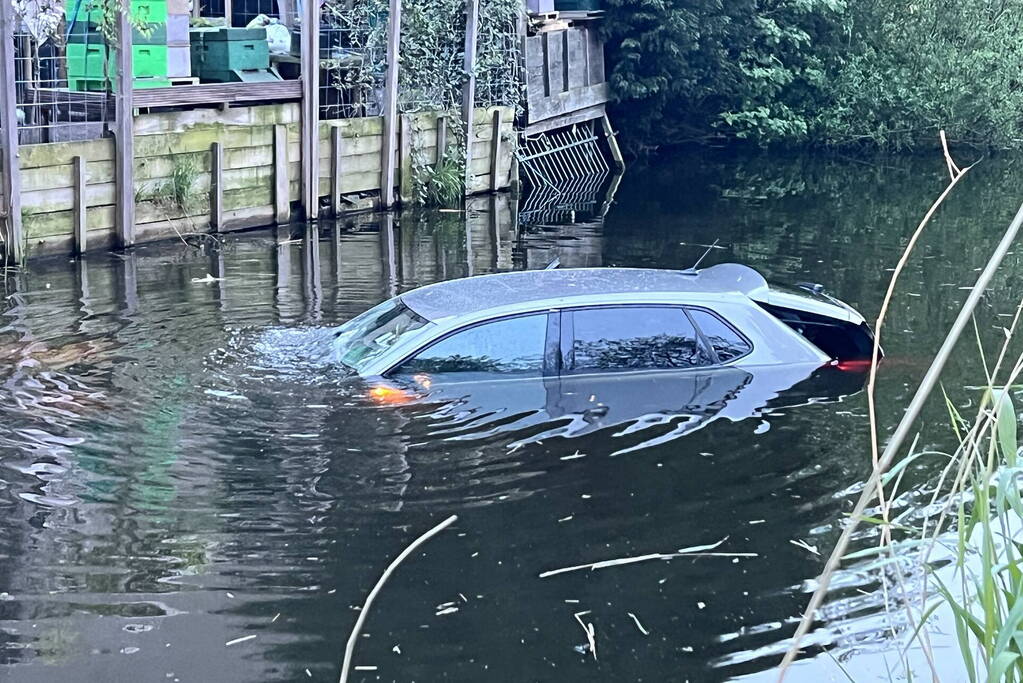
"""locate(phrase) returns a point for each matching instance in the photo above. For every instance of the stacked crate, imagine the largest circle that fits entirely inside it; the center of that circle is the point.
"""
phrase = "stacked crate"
(225, 55)
(91, 65)
(179, 54)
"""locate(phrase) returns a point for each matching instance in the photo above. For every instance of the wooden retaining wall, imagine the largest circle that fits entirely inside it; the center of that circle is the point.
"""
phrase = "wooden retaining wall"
(260, 149)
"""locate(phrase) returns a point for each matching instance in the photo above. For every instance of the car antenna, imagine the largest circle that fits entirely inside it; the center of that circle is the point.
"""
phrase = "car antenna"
(555, 262)
(691, 270)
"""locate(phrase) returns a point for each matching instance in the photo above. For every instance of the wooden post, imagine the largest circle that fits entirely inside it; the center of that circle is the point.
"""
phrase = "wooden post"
(311, 108)
(495, 151)
(282, 189)
(217, 186)
(472, 10)
(389, 253)
(405, 158)
(124, 138)
(336, 154)
(612, 143)
(390, 106)
(78, 179)
(442, 138)
(11, 190)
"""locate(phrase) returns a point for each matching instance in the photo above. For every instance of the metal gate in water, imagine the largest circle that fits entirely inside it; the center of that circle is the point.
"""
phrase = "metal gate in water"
(565, 171)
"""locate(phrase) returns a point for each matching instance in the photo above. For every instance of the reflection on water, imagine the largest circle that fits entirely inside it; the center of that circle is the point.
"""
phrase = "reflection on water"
(182, 463)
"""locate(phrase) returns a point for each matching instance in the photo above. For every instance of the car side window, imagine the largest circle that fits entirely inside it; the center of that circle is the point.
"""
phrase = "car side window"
(723, 338)
(512, 346)
(634, 338)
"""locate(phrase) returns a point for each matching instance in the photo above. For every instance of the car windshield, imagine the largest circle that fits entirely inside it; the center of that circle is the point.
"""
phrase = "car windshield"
(366, 337)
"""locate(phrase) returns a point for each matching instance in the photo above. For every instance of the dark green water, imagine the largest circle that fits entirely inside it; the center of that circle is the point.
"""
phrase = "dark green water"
(181, 466)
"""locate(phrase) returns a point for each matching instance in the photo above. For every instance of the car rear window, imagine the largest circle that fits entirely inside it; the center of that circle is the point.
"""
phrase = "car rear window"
(726, 341)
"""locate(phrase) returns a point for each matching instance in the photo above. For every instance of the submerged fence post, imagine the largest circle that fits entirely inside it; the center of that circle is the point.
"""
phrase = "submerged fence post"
(472, 11)
(124, 140)
(11, 190)
(390, 141)
(336, 154)
(310, 54)
(282, 189)
(78, 177)
(405, 158)
(495, 151)
(217, 186)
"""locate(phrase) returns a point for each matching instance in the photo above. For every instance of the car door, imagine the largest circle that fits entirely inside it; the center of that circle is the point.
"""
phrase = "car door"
(485, 378)
(638, 367)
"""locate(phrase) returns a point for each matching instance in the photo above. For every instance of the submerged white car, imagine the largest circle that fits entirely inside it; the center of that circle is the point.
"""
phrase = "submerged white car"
(576, 350)
(599, 320)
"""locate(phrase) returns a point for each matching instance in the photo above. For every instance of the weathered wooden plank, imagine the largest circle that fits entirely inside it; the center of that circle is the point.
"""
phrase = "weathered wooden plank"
(555, 41)
(281, 195)
(472, 10)
(124, 136)
(366, 125)
(310, 54)
(405, 159)
(578, 116)
(217, 186)
(58, 153)
(575, 62)
(78, 222)
(495, 150)
(390, 105)
(567, 102)
(178, 121)
(218, 93)
(336, 156)
(595, 55)
(11, 188)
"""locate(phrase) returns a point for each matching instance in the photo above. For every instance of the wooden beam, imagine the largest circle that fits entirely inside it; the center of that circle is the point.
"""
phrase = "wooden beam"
(390, 110)
(472, 10)
(11, 190)
(217, 186)
(405, 159)
(612, 143)
(336, 154)
(442, 139)
(310, 108)
(282, 184)
(495, 151)
(124, 137)
(79, 225)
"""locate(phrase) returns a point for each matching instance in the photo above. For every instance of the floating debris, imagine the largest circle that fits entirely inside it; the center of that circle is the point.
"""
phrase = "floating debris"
(805, 546)
(638, 625)
(694, 551)
(238, 640)
(591, 633)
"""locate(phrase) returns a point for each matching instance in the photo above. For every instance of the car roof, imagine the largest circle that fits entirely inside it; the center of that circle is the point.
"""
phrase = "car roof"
(487, 292)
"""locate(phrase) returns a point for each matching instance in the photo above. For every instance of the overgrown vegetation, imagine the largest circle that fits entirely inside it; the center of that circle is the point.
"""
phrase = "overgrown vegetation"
(829, 73)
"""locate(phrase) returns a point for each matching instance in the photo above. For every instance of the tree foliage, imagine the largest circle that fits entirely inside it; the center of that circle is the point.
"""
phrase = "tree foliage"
(822, 72)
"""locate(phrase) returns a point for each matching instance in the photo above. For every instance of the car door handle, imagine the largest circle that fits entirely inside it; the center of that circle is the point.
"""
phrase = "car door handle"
(595, 412)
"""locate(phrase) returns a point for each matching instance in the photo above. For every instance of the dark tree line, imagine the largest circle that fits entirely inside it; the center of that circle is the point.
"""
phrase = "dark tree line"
(870, 74)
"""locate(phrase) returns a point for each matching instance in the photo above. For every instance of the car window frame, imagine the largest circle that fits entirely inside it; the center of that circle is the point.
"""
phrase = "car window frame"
(550, 365)
(566, 367)
(726, 323)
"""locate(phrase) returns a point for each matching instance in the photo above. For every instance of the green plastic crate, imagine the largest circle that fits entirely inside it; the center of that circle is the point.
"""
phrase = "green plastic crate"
(87, 32)
(85, 61)
(216, 55)
(99, 84)
(143, 10)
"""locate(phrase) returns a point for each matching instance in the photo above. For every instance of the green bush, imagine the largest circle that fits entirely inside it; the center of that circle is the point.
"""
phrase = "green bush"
(816, 72)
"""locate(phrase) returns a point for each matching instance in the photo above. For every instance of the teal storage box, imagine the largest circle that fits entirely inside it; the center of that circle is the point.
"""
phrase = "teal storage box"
(217, 55)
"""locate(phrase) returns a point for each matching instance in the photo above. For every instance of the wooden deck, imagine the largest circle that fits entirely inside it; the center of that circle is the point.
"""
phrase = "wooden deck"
(564, 76)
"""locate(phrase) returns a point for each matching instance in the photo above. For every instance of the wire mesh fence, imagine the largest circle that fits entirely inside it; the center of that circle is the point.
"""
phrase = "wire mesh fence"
(353, 58)
(55, 100)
